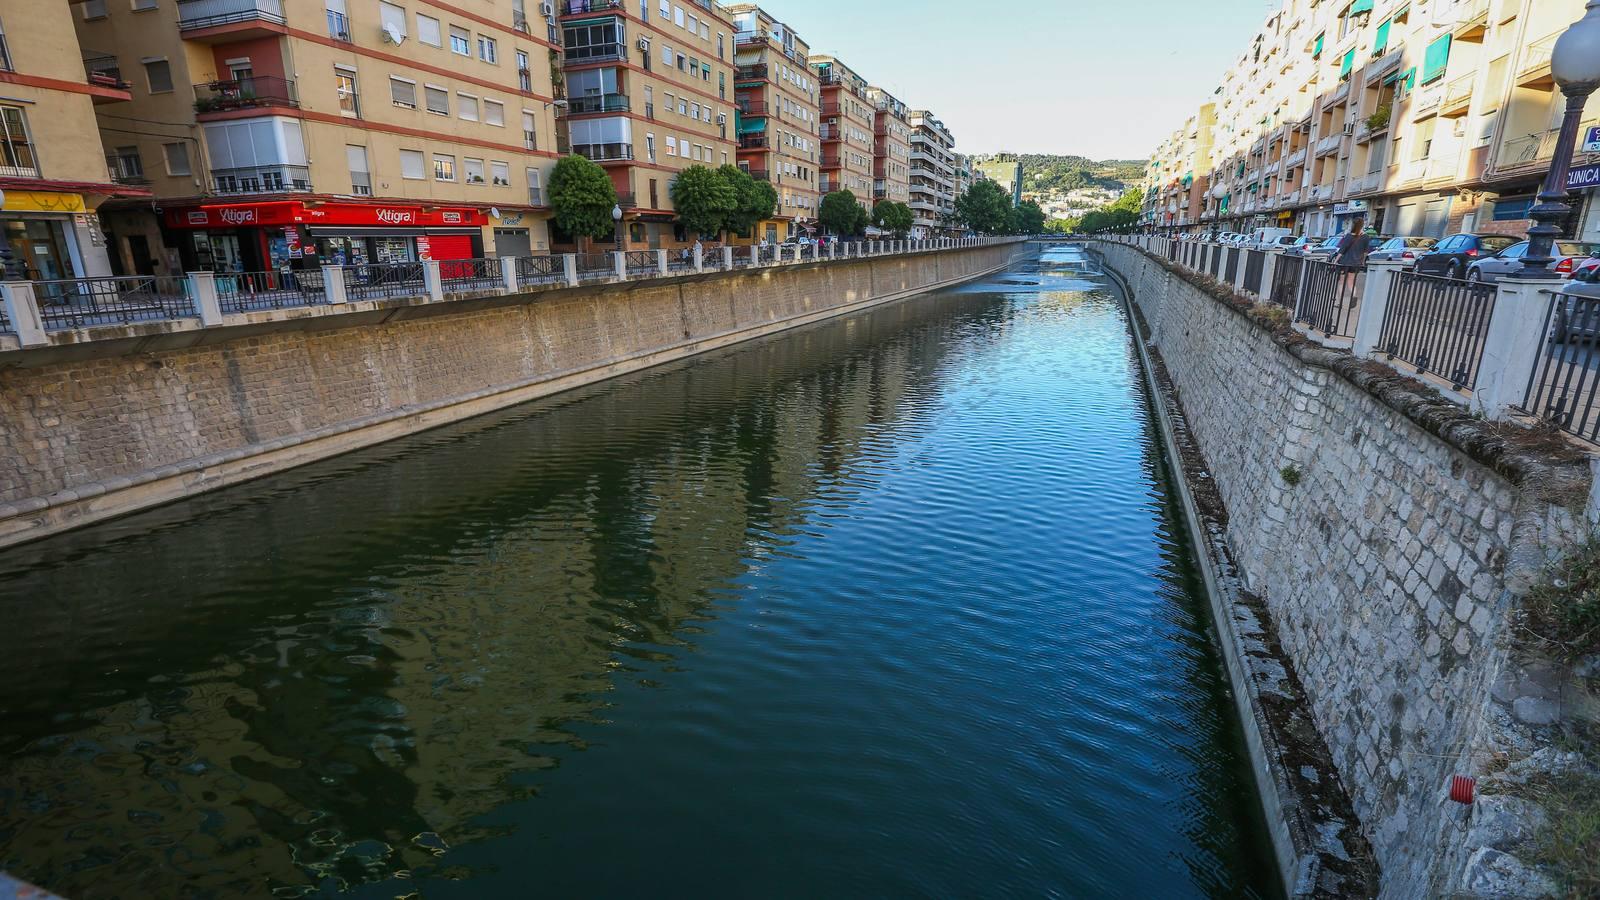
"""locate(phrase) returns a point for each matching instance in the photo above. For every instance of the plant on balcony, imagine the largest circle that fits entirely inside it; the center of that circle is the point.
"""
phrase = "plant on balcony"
(753, 200)
(703, 200)
(582, 195)
(207, 104)
(1379, 120)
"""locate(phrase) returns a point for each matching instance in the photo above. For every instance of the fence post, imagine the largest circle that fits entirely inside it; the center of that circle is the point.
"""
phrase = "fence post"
(727, 258)
(203, 291)
(833, 250)
(661, 263)
(699, 258)
(333, 289)
(569, 267)
(1269, 271)
(1239, 270)
(1374, 305)
(1512, 345)
(432, 280)
(22, 309)
(619, 260)
(508, 273)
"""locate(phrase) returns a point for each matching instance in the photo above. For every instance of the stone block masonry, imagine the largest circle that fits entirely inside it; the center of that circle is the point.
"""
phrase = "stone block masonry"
(1388, 535)
(113, 420)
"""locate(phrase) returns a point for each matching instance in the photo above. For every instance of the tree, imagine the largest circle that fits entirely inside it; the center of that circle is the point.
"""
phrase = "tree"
(892, 217)
(1120, 214)
(840, 213)
(582, 196)
(752, 200)
(703, 200)
(985, 208)
(1027, 218)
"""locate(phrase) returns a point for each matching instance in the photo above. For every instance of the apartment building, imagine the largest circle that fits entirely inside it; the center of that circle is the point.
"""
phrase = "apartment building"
(292, 133)
(648, 92)
(779, 115)
(933, 175)
(1179, 173)
(891, 148)
(52, 169)
(848, 118)
(1411, 118)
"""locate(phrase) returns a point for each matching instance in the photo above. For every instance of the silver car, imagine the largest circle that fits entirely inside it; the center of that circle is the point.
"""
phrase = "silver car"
(1568, 256)
(1401, 249)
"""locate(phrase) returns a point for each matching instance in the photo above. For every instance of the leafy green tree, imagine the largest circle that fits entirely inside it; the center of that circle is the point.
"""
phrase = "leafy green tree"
(862, 218)
(582, 196)
(752, 200)
(840, 212)
(703, 200)
(892, 217)
(1027, 218)
(1120, 214)
(985, 208)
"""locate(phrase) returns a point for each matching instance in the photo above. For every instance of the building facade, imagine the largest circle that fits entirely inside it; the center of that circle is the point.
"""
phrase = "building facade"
(279, 134)
(779, 117)
(649, 91)
(891, 148)
(848, 118)
(1407, 119)
(933, 176)
(53, 172)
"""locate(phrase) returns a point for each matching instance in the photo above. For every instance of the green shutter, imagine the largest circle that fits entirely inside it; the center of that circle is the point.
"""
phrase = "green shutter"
(1436, 60)
(1316, 52)
(1347, 63)
(1380, 42)
(1360, 6)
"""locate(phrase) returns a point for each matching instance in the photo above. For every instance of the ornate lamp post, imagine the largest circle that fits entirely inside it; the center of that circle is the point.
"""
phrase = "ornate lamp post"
(1575, 66)
(616, 220)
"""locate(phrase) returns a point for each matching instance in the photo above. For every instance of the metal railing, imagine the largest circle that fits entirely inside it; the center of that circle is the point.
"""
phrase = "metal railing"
(589, 263)
(1286, 276)
(209, 13)
(1329, 298)
(461, 276)
(595, 104)
(373, 281)
(1255, 265)
(1231, 267)
(1437, 325)
(81, 302)
(245, 93)
(1565, 380)
(239, 292)
(640, 262)
(540, 269)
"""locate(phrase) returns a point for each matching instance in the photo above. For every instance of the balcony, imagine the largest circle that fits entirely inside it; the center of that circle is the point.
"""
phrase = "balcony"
(756, 72)
(244, 93)
(604, 152)
(1366, 184)
(628, 201)
(1329, 144)
(753, 108)
(577, 7)
(1295, 159)
(603, 103)
(123, 169)
(752, 142)
(262, 180)
(1534, 69)
(1320, 193)
(1472, 20)
(759, 174)
(236, 18)
(592, 53)
(102, 71)
(1339, 95)
(1532, 150)
(1457, 97)
(832, 162)
(749, 39)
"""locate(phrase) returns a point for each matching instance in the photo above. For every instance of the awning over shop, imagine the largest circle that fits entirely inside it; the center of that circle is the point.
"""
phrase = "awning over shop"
(297, 212)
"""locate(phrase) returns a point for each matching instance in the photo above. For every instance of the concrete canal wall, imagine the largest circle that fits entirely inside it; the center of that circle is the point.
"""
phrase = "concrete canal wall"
(1387, 536)
(109, 420)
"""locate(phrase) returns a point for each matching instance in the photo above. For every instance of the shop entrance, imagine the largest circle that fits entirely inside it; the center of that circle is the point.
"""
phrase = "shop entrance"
(41, 246)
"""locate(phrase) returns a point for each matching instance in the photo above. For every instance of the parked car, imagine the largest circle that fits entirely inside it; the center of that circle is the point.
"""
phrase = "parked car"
(1587, 270)
(1402, 249)
(1451, 256)
(1568, 256)
(1328, 249)
(1268, 238)
(1300, 244)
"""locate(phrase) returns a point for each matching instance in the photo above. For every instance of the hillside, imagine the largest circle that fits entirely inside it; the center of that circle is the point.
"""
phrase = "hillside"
(1055, 174)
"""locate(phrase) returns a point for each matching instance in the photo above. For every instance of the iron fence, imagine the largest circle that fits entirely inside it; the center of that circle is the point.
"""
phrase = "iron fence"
(239, 292)
(1255, 265)
(1566, 375)
(641, 262)
(1437, 325)
(1286, 277)
(1215, 263)
(1231, 267)
(81, 302)
(460, 276)
(591, 264)
(540, 269)
(1328, 300)
(371, 281)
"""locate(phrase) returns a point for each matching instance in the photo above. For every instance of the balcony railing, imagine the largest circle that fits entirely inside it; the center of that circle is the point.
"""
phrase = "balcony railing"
(604, 152)
(245, 93)
(602, 103)
(752, 142)
(759, 174)
(102, 70)
(194, 14)
(1536, 62)
(753, 108)
(1294, 159)
(831, 162)
(573, 7)
(1458, 92)
(262, 180)
(125, 169)
(596, 53)
(1329, 144)
(756, 72)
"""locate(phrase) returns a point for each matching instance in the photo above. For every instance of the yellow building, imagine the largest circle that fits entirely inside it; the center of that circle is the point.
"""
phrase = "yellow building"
(779, 118)
(290, 133)
(52, 170)
(649, 93)
(891, 148)
(848, 117)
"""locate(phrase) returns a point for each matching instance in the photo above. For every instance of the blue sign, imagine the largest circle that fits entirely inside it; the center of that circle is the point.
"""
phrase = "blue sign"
(1591, 140)
(1583, 178)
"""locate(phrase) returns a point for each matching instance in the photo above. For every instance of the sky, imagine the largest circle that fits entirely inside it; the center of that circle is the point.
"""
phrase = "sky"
(1106, 79)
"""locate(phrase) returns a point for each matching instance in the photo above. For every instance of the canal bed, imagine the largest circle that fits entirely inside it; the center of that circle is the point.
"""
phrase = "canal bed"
(894, 605)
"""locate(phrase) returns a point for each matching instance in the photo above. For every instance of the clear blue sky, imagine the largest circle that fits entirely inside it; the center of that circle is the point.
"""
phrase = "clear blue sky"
(1098, 78)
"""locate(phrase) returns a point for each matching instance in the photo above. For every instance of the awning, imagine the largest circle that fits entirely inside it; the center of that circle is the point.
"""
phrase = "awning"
(1380, 42)
(359, 231)
(1346, 64)
(1436, 60)
(1359, 7)
(1316, 52)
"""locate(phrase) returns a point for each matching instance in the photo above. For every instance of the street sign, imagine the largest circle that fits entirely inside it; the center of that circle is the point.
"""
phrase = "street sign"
(1591, 140)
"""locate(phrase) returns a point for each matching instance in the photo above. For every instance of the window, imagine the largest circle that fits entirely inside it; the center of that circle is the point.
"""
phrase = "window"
(126, 165)
(467, 106)
(403, 92)
(338, 20)
(141, 5)
(1436, 60)
(177, 156)
(158, 72)
(391, 17)
(535, 190)
(530, 136)
(494, 113)
(460, 41)
(438, 100)
(345, 82)
(525, 76)
(666, 55)
(666, 9)
(360, 175)
(705, 32)
(94, 9)
(488, 49)
(597, 39)
(473, 169)
(411, 165)
(499, 173)
(1511, 209)
(444, 168)
(672, 145)
(677, 16)
(694, 24)
(428, 31)
(650, 147)
(5, 53)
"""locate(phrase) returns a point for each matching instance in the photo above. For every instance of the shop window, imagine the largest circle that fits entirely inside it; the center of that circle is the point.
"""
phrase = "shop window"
(177, 156)
(1512, 208)
(444, 168)
(158, 74)
(412, 165)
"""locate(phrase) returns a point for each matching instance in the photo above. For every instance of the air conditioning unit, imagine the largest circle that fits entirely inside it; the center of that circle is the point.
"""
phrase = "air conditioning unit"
(1349, 128)
(547, 9)
(644, 44)
(722, 118)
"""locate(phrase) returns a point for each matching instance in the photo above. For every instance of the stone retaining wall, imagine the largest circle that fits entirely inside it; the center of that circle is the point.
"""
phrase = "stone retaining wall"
(1388, 535)
(112, 420)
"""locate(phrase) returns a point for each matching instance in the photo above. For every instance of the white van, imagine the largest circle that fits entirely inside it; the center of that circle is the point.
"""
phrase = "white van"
(1268, 238)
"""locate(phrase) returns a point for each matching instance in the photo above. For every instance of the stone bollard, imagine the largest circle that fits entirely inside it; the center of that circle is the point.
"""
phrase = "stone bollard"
(203, 291)
(1374, 306)
(1513, 344)
(432, 280)
(333, 285)
(508, 273)
(619, 261)
(569, 268)
(661, 263)
(22, 310)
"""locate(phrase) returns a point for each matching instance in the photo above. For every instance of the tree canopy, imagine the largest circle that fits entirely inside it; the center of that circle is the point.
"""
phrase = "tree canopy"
(582, 197)
(892, 217)
(985, 207)
(841, 214)
(1027, 218)
(703, 200)
(752, 200)
(1120, 214)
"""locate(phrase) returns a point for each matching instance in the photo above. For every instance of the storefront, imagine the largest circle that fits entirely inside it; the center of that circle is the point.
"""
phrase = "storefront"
(53, 235)
(1584, 183)
(293, 234)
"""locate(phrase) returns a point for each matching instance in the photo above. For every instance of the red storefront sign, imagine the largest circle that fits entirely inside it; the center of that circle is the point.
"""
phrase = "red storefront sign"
(294, 212)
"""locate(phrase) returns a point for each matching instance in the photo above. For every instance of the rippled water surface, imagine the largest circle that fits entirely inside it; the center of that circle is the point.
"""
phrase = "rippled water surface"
(897, 605)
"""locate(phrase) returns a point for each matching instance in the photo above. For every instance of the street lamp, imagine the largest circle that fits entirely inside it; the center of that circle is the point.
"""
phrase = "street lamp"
(616, 219)
(1575, 66)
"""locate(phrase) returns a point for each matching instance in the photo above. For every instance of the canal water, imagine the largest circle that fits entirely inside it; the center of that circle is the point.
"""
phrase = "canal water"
(895, 605)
